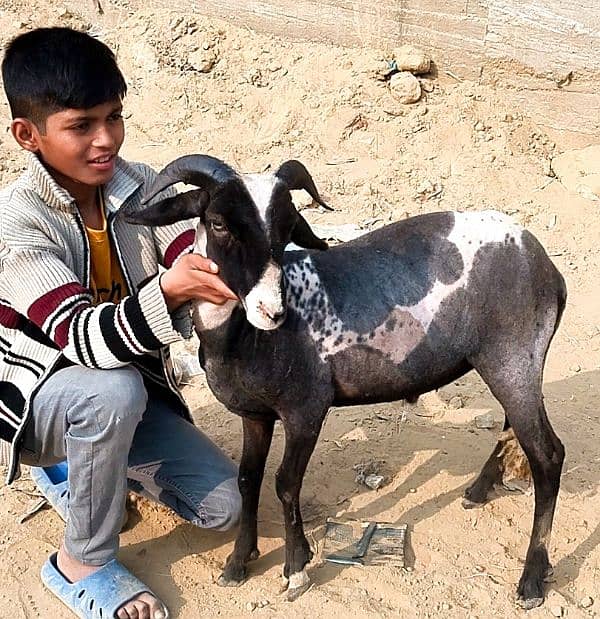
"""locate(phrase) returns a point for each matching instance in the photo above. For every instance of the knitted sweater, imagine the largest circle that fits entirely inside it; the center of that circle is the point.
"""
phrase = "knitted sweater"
(46, 311)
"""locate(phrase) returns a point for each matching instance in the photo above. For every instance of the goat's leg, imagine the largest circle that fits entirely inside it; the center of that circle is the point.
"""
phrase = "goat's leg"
(491, 473)
(546, 454)
(299, 445)
(257, 440)
(519, 392)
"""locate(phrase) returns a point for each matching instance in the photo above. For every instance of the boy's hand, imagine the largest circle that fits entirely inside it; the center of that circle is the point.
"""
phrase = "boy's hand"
(194, 277)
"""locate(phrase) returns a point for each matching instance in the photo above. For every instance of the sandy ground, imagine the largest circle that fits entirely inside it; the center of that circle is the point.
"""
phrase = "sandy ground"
(464, 146)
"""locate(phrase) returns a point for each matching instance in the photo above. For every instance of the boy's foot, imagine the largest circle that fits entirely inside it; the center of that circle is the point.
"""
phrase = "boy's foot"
(144, 606)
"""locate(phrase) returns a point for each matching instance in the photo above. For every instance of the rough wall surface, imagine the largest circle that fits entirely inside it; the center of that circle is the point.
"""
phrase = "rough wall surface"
(545, 35)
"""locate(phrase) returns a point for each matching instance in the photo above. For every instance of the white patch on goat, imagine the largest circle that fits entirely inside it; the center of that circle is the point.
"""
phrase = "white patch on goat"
(200, 240)
(260, 187)
(265, 300)
(471, 232)
(206, 315)
(299, 579)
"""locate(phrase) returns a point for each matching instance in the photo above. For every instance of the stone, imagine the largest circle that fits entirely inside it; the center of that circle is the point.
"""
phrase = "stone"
(485, 421)
(202, 60)
(374, 481)
(586, 602)
(413, 59)
(557, 611)
(456, 402)
(185, 367)
(405, 87)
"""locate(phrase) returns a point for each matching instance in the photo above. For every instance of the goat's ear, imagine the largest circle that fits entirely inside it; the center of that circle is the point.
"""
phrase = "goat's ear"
(182, 206)
(296, 176)
(303, 236)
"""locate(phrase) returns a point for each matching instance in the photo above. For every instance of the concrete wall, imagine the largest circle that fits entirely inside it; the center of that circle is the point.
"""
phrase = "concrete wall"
(550, 36)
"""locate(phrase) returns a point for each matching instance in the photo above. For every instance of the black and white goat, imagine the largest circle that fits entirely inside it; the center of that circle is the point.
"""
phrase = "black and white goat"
(391, 315)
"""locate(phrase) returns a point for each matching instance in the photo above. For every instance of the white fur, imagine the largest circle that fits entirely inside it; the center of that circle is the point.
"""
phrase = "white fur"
(265, 299)
(206, 315)
(299, 579)
(260, 187)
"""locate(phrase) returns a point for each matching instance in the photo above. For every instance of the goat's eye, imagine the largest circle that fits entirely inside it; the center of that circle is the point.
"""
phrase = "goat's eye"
(218, 227)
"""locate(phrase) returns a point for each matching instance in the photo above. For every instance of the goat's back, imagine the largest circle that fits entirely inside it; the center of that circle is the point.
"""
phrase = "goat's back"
(400, 310)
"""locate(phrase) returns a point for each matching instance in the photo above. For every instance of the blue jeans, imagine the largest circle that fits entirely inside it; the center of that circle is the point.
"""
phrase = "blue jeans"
(116, 431)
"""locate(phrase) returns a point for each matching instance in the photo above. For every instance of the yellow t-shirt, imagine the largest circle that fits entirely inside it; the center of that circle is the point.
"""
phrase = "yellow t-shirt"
(107, 282)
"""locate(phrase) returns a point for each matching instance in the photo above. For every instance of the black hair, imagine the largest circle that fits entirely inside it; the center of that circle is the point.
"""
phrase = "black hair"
(51, 69)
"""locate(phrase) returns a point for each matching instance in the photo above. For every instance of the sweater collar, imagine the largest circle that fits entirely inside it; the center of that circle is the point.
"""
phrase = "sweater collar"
(125, 181)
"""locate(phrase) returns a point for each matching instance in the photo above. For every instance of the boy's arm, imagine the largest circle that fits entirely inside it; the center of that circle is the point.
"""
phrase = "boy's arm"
(36, 283)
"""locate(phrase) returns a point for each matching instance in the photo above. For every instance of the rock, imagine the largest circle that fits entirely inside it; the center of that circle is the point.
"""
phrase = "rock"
(374, 481)
(413, 59)
(356, 434)
(202, 60)
(557, 611)
(185, 367)
(367, 473)
(586, 602)
(456, 402)
(485, 421)
(425, 187)
(250, 606)
(405, 87)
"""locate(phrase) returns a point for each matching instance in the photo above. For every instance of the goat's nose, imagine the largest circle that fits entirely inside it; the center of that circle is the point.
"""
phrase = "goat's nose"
(276, 316)
(274, 313)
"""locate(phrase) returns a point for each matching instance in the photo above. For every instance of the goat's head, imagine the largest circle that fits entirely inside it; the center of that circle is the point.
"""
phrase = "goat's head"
(245, 223)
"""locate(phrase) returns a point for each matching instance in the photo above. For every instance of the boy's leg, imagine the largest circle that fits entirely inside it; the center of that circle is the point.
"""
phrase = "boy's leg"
(175, 463)
(89, 417)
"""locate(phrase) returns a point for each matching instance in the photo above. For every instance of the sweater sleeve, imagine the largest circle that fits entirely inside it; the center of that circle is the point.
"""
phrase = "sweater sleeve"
(37, 284)
(171, 242)
(174, 240)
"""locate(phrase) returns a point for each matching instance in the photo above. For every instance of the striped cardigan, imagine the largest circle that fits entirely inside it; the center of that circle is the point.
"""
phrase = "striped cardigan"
(46, 311)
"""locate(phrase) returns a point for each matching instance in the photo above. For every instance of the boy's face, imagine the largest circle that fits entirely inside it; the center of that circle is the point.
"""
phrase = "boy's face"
(78, 146)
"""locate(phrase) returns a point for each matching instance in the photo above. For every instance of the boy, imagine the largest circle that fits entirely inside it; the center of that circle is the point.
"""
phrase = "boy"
(85, 324)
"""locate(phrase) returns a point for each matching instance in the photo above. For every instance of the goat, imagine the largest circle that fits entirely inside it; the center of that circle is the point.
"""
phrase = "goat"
(393, 314)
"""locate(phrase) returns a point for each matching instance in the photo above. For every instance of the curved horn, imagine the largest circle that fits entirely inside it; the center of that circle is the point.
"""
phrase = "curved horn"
(203, 171)
(296, 176)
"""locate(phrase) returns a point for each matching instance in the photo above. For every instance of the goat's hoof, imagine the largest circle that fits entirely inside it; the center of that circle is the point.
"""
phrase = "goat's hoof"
(469, 504)
(299, 583)
(294, 593)
(232, 577)
(529, 603)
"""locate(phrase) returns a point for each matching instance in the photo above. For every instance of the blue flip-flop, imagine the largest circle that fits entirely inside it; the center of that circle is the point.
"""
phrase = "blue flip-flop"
(98, 596)
(52, 483)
